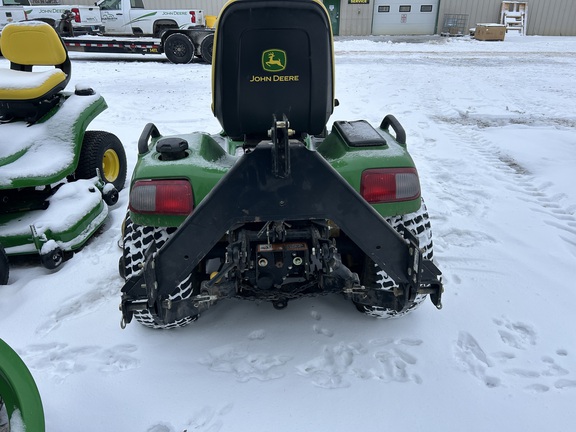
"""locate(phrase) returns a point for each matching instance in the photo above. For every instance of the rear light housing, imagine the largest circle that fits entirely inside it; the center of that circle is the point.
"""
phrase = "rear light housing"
(165, 197)
(76, 13)
(193, 17)
(386, 185)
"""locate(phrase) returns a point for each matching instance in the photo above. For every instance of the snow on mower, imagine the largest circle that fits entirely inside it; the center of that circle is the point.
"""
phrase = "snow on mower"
(274, 208)
(56, 178)
(20, 403)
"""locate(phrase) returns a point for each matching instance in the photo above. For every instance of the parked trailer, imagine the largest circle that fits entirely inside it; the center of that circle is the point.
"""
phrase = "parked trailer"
(179, 46)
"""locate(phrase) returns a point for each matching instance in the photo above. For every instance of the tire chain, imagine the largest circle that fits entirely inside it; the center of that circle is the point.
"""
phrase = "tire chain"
(137, 240)
(418, 223)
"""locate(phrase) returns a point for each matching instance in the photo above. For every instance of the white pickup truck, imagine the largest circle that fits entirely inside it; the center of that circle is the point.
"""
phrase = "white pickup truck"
(129, 18)
(180, 34)
(85, 19)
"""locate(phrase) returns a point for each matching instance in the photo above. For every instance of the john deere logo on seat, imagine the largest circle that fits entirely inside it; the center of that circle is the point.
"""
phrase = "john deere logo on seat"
(274, 60)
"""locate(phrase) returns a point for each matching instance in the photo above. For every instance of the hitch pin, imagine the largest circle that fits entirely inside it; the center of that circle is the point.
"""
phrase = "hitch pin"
(207, 298)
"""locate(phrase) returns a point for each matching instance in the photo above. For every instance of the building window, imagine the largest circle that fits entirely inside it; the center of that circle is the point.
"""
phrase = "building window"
(405, 8)
(426, 8)
(383, 8)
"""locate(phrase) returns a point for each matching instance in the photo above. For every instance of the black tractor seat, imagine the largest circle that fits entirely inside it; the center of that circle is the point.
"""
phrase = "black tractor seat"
(272, 59)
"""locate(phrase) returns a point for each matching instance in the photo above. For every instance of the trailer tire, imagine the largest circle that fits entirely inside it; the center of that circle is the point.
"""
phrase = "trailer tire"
(179, 48)
(206, 48)
(136, 241)
(373, 277)
(103, 152)
(4, 267)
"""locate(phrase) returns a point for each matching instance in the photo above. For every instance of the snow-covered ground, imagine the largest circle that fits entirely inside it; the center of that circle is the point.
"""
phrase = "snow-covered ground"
(492, 127)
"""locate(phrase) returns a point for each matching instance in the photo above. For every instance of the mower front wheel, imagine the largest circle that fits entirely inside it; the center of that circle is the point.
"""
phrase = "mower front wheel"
(103, 152)
(4, 268)
(52, 259)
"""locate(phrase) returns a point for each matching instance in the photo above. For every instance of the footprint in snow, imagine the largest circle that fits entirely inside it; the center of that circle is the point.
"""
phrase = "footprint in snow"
(474, 360)
(257, 335)
(323, 331)
(206, 419)
(339, 364)
(517, 366)
(245, 364)
(516, 334)
(61, 360)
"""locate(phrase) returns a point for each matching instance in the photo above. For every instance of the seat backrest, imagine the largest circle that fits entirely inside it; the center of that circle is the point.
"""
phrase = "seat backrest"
(33, 43)
(272, 57)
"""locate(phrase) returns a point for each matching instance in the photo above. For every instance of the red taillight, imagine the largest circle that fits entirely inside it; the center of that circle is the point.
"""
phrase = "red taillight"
(193, 17)
(76, 13)
(167, 197)
(382, 185)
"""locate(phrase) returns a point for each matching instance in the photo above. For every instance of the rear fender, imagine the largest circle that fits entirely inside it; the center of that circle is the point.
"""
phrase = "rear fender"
(19, 391)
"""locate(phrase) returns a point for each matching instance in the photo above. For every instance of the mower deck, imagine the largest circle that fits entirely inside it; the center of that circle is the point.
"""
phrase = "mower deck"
(27, 232)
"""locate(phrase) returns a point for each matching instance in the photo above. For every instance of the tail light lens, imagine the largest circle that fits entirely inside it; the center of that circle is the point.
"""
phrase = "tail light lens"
(167, 197)
(193, 17)
(384, 185)
(76, 13)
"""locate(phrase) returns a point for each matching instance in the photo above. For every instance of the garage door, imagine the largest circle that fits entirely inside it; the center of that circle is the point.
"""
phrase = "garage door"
(393, 17)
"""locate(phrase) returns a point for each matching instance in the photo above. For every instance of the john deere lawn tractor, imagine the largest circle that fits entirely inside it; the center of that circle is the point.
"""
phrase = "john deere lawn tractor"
(56, 178)
(275, 208)
(20, 403)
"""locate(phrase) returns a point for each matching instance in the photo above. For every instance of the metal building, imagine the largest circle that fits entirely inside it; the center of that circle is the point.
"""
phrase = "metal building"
(544, 17)
(392, 17)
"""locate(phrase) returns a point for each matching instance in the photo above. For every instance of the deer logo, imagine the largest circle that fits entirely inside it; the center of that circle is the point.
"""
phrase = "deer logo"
(274, 60)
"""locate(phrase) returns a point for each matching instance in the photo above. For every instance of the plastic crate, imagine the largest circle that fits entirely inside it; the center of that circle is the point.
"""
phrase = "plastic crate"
(454, 24)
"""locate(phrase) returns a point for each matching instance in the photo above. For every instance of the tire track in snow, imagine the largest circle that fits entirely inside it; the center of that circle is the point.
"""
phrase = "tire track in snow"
(455, 183)
(518, 179)
(519, 363)
(79, 306)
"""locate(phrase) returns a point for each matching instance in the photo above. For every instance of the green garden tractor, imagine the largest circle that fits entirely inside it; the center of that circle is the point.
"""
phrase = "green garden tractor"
(275, 207)
(56, 178)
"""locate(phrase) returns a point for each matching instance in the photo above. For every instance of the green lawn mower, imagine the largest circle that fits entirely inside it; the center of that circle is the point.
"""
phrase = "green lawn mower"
(20, 403)
(56, 178)
(275, 208)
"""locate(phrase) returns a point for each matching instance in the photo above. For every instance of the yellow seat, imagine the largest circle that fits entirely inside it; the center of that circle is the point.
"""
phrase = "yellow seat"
(26, 93)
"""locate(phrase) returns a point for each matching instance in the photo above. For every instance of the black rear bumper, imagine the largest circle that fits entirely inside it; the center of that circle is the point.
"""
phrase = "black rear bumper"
(278, 183)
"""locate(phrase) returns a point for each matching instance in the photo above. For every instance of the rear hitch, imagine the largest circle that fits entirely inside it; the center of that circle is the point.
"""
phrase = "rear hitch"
(271, 184)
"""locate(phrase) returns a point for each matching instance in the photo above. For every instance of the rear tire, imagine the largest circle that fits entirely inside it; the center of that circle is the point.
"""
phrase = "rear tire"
(136, 241)
(375, 278)
(179, 48)
(4, 268)
(102, 152)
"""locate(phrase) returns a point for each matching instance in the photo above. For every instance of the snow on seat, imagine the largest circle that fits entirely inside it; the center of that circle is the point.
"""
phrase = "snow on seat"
(16, 85)
(24, 93)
